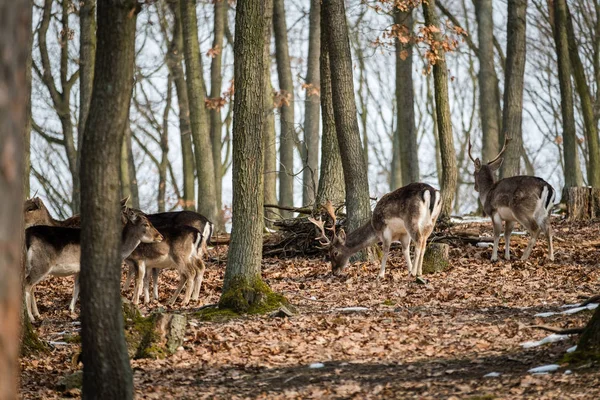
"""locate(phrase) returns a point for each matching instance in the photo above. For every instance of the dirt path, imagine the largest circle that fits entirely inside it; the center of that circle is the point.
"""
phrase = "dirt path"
(412, 341)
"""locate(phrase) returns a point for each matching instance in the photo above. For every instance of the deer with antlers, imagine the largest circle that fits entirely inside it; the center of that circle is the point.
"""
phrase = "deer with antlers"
(404, 215)
(523, 199)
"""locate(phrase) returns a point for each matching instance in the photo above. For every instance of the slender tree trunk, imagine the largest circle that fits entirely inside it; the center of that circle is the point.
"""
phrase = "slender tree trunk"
(124, 167)
(216, 123)
(331, 181)
(242, 285)
(513, 86)
(572, 168)
(442, 111)
(405, 157)
(28, 119)
(207, 198)
(15, 33)
(310, 174)
(488, 81)
(164, 144)
(106, 370)
(287, 131)
(174, 60)
(587, 107)
(133, 183)
(270, 145)
(346, 123)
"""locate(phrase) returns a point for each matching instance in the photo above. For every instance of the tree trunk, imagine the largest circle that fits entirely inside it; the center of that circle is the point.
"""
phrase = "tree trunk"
(442, 112)
(174, 59)
(344, 108)
(28, 120)
(216, 123)
(242, 285)
(15, 33)
(513, 86)
(207, 197)
(572, 170)
(583, 203)
(287, 131)
(107, 373)
(133, 183)
(589, 342)
(270, 146)
(164, 144)
(310, 174)
(331, 181)
(587, 107)
(488, 81)
(405, 157)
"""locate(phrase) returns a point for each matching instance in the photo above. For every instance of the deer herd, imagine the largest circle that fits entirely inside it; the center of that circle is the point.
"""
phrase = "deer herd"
(178, 240)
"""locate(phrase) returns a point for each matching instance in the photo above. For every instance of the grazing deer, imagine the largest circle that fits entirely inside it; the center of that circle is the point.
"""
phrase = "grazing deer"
(54, 250)
(408, 213)
(524, 199)
(181, 250)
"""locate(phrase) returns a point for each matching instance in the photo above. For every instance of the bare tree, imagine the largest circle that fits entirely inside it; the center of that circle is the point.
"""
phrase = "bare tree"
(106, 370)
(270, 156)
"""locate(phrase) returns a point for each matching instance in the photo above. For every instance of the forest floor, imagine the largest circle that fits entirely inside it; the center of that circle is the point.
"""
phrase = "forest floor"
(413, 341)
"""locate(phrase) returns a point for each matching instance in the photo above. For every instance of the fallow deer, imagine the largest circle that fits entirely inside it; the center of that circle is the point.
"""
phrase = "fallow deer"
(53, 250)
(36, 213)
(524, 199)
(408, 213)
(181, 250)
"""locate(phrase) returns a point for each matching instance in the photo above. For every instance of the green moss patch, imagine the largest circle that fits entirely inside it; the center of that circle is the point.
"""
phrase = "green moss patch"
(251, 297)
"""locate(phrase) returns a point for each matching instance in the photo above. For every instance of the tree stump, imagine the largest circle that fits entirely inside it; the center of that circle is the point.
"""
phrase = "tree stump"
(436, 258)
(583, 203)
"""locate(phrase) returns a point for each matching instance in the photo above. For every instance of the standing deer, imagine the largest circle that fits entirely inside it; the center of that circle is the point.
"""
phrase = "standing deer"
(54, 250)
(36, 213)
(524, 199)
(408, 213)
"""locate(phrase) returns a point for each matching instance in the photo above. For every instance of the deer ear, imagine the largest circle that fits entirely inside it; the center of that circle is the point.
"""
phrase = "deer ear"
(496, 164)
(342, 236)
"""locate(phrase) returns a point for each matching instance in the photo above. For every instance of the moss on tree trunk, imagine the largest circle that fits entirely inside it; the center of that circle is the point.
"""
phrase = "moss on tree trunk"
(251, 296)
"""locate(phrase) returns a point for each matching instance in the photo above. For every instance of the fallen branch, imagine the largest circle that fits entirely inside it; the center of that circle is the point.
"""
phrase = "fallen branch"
(566, 331)
(593, 299)
(300, 210)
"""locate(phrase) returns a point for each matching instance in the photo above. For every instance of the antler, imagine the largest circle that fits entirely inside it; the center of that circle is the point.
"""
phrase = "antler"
(506, 140)
(470, 156)
(323, 239)
(329, 209)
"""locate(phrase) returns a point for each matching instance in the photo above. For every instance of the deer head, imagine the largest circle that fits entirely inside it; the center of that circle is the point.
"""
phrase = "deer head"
(337, 245)
(36, 213)
(484, 173)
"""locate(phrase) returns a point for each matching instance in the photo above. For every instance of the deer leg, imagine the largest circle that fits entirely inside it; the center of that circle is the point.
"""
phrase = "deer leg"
(28, 301)
(497, 223)
(508, 228)
(532, 240)
(139, 281)
(34, 303)
(200, 268)
(130, 275)
(386, 250)
(147, 286)
(420, 250)
(191, 270)
(550, 245)
(183, 278)
(405, 240)
(76, 288)
(155, 272)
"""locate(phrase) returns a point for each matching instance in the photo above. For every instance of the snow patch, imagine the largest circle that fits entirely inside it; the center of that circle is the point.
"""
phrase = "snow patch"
(492, 375)
(572, 349)
(316, 365)
(571, 309)
(544, 369)
(484, 244)
(352, 309)
(548, 339)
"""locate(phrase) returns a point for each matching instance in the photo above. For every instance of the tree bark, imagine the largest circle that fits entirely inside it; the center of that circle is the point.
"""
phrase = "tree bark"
(405, 157)
(331, 181)
(344, 108)
(174, 59)
(242, 283)
(442, 112)
(489, 108)
(287, 131)
(216, 123)
(28, 119)
(513, 86)
(164, 145)
(310, 175)
(207, 197)
(15, 33)
(107, 373)
(572, 170)
(589, 342)
(587, 106)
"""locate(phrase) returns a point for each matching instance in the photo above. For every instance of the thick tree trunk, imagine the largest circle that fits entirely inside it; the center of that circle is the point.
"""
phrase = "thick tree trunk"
(310, 175)
(589, 342)
(242, 285)
(513, 86)
(216, 123)
(587, 107)
(207, 198)
(572, 170)
(287, 130)
(583, 203)
(488, 81)
(15, 33)
(346, 123)
(331, 181)
(174, 60)
(107, 373)
(405, 157)
(270, 145)
(444, 123)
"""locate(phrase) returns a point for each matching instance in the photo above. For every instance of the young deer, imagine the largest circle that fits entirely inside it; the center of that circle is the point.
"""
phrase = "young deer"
(181, 250)
(53, 250)
(524, 199)
(408, 213)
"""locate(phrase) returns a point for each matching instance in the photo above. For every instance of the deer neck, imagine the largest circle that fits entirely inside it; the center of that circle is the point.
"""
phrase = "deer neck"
(360, 238)
(129, 240)
(486, 182)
